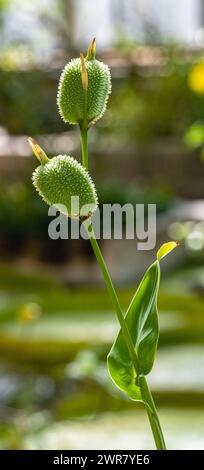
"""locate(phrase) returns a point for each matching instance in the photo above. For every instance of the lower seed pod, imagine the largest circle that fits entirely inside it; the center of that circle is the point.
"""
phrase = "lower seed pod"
(62, 181)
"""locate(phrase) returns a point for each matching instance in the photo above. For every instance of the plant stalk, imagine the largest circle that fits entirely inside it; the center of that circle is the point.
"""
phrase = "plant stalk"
(84, 135)
(145, 391)
(152, 413)
(84, 146)
(115, 301)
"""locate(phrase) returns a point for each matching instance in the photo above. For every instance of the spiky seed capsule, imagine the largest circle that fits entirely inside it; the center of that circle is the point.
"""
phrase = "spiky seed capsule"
(63, 178)
(71, 94)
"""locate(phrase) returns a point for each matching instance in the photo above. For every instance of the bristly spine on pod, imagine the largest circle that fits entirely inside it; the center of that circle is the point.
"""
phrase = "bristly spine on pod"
(84, 89)
(60, 179)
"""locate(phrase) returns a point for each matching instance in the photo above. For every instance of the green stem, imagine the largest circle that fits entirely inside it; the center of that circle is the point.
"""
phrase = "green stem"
(115, 301)
(84, 135)
(84, 146)
(145, 392)
(152, 413)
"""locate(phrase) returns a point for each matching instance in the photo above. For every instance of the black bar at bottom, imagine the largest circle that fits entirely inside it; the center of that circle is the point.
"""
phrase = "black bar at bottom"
(90, 458)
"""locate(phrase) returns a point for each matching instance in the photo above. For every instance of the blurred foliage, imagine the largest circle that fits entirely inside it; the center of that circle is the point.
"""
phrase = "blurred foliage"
(194, 136)
(26, 227)
(151, 106)
(190, 234)
(49, 34)
(63, 329)
(196, 78)
(28, 102)
(24, 224)
(54, 369)
(24, 214)
(22, 217)
(115, 192)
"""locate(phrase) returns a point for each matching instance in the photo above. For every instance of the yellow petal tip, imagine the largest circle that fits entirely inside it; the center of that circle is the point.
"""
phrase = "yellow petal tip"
(84, 74)
(91, 53)
(38, 151)
(166, 248)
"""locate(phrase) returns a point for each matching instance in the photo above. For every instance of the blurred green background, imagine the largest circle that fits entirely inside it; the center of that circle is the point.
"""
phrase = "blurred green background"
(56, 320)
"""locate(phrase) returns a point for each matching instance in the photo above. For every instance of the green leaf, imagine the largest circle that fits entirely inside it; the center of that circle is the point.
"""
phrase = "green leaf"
(165, 249)
(194, 136)
(142, 321)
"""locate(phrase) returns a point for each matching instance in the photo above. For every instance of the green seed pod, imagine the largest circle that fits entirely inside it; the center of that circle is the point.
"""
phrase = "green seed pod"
(84, 88)
(61, 178)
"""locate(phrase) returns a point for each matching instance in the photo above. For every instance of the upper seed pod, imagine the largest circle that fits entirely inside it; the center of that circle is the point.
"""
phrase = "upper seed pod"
(84, 88)
(61, 179)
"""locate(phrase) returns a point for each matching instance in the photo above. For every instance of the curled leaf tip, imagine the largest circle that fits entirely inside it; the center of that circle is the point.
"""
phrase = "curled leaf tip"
(38, 151)
(166, 248)
(91, 53)
(84, 75)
